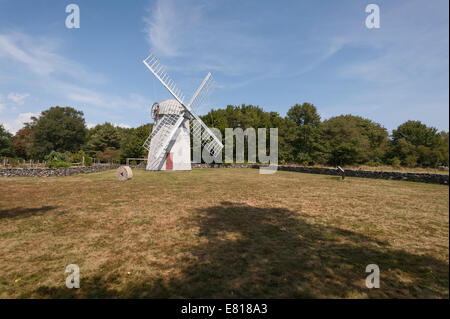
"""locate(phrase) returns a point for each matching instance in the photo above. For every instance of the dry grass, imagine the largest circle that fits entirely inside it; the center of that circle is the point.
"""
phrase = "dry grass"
(222, 233)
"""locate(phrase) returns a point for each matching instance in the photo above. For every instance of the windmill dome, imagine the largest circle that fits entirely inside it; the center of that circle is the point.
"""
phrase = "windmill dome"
(170, 107)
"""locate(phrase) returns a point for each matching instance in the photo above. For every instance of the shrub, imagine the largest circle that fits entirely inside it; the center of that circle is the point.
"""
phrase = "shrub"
(56, 164)
(56, 159)
(395, 162)
(411, 161)
(78, 158)
(374, 163)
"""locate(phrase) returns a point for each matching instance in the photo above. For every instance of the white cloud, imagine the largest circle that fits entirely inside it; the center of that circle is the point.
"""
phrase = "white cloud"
(17, 97)
(15, 124)
(36, 61)
(38, 55)
(122, 125)
(164, 26)
(2, 104)
(112, 102)
(185, 29)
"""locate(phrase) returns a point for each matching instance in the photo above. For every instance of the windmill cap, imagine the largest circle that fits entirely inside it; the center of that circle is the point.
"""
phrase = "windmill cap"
(170, 107)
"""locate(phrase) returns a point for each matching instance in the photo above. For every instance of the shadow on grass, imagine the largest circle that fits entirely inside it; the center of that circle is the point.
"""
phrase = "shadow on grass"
(25, 212)
(255, 252)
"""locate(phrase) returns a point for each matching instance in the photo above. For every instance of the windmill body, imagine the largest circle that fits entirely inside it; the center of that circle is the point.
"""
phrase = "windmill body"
(178, 154)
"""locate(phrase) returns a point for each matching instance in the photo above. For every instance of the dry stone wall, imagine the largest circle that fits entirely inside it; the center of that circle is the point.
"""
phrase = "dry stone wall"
(48, 172)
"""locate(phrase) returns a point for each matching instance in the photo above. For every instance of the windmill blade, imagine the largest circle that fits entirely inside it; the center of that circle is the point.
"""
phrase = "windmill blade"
(202, 92)
(160, 141)
(152, 63)
(199, 129)
(167, 121)
(208, 139)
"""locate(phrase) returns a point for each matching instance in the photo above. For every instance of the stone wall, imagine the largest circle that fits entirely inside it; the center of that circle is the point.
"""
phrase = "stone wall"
(47, 172)
(69, 171)
(414, 177)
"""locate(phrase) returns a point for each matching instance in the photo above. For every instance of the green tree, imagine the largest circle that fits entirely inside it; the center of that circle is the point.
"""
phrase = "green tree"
(103, 136)
(414, 144)
(6, 142)
(132, 143)
(352, 139)
(108, 155)
(23, 142)
(443, 148)
(305, 114)
(58, 128)
(306, 144)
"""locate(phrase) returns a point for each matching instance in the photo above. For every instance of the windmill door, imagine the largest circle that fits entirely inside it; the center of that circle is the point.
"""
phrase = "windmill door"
(169, 161)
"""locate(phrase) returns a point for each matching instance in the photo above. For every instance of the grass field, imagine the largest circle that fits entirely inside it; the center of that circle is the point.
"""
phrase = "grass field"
(222, 233)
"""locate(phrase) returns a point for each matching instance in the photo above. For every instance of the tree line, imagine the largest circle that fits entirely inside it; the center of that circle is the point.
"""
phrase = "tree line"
(60, 135)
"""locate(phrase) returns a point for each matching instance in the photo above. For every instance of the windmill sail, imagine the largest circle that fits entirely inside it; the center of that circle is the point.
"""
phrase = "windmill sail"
(209, 140)
(203, 91)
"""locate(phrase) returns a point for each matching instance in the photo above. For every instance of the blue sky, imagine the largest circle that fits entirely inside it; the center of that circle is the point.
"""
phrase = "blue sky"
(268, 53)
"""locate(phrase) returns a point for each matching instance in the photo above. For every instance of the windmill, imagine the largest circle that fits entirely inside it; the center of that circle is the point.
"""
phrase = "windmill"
(168, 144)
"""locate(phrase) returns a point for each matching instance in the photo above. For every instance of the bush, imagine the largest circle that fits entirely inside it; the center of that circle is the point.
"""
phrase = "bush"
(395, 162)
(56, 164)
(56, 159)
(374, 163)
(411, 161)
(78, 158)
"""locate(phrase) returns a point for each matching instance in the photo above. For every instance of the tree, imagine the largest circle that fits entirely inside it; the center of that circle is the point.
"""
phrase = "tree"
(132, 142)
(416, 133)
(108, 155)
(352, 139)
(103, 136)
(23, 142)
(58, 129)
(305, 114)
(6, 142)
(306, 144)
(443, 148)
(414, 144)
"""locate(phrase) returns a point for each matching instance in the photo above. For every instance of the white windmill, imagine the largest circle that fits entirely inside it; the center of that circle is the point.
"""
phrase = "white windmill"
(169, 143)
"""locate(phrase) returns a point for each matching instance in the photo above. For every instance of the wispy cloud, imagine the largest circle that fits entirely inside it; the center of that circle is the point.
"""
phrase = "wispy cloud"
(164, 27)
(15, 124)
(36, 62)
(17, 97)
(181, 29)
(38, 54)
(196, 37)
